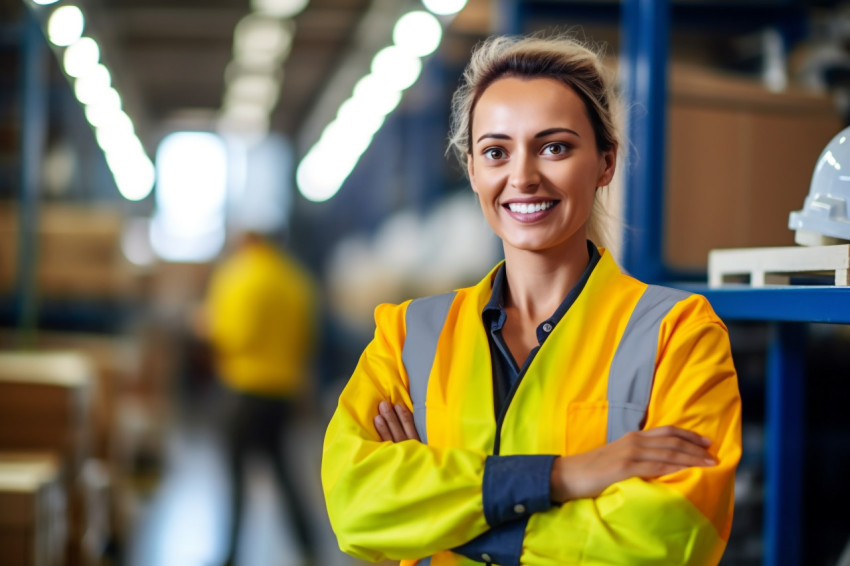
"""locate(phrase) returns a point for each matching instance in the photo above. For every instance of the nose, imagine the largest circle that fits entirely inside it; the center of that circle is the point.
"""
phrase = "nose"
(525, 175)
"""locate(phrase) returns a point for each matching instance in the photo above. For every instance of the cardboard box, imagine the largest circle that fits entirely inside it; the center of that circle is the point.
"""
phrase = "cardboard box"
(45, 403)
(739, 160)
(32, 510)
(78, 252)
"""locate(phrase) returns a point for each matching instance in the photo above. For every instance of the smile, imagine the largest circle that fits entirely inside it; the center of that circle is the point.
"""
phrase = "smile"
(529, 208)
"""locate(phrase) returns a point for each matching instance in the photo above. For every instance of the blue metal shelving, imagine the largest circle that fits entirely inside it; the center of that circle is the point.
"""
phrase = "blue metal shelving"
(33, 133)
(779, 304)
(645, 27)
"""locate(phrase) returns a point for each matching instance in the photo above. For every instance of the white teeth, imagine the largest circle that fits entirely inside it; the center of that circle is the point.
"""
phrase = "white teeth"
(524, 208)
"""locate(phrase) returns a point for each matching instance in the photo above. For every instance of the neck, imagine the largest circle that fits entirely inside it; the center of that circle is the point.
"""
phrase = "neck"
(539, 281)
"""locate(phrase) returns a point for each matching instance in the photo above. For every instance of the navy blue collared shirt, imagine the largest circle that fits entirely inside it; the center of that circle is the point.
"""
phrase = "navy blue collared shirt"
(514, 487)
(506, 370)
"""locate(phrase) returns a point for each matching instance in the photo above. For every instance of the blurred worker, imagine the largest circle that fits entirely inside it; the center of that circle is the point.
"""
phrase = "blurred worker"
(261, 322)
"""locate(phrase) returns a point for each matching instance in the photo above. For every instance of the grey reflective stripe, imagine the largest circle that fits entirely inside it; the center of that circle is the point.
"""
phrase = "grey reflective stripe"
(424, 562)
(423, 324)
(633, 367)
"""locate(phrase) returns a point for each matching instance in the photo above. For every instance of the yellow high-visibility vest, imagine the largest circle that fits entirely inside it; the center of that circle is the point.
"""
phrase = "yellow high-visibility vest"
(625, 356)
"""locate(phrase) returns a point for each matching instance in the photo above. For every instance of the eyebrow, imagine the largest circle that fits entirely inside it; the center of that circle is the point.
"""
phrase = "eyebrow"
(542, 134)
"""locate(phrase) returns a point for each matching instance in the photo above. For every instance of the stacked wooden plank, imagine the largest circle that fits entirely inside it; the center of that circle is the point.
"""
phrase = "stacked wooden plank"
(32, 510)
(45, 406)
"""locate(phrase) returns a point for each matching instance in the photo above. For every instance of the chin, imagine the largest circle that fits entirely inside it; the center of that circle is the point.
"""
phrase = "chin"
(541, 244)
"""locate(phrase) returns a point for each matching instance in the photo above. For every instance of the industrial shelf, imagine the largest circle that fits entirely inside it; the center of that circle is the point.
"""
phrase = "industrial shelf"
(777, 304)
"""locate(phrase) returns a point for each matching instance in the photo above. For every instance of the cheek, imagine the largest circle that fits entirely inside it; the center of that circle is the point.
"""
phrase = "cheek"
(483, 183)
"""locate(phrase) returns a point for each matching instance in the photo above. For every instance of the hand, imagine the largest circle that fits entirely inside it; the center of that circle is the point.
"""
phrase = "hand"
(395, 423)
(646, 454)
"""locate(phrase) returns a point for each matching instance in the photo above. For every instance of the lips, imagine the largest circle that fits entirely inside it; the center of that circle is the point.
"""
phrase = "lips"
(529, 211)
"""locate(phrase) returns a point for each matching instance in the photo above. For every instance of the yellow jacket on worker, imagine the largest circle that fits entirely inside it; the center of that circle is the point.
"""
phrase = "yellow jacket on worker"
(262, 321)
(624, 356)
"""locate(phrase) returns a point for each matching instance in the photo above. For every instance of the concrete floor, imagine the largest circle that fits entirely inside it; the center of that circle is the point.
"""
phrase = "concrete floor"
(184, 521)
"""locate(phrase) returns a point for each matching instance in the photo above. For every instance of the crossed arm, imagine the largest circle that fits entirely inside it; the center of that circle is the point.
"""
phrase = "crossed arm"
(643, 454)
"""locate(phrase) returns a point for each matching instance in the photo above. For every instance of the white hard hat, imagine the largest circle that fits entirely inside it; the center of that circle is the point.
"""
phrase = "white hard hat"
(824, 218)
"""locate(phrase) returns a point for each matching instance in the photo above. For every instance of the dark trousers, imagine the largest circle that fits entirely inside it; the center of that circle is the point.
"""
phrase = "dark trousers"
(254, 425)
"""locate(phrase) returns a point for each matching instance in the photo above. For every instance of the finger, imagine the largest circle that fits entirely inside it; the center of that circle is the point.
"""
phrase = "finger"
(383, 430)
(391, 419)
(678, 432)
(693, 456)
(407, 422)
(649, 470)
(669, 443)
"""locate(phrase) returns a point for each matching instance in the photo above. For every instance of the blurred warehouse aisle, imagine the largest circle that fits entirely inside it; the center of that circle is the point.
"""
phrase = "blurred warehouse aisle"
(184, 520)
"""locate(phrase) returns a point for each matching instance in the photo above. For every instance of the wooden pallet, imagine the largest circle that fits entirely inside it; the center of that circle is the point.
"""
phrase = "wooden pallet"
(774, 266)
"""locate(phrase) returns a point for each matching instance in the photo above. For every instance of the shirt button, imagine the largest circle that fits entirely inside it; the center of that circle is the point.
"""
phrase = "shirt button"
(486, 557)
(547, 327)
(519, 508)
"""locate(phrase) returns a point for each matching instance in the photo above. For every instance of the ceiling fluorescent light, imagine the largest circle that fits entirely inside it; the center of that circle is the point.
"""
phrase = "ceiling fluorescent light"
(279, 8)
(65, 25)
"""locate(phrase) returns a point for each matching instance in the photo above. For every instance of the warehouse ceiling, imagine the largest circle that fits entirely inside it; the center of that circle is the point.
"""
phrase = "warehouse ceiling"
(169, 57)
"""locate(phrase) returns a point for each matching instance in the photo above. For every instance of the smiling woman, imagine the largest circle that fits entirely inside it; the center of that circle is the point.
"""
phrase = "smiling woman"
(535, 165)
(559, 411)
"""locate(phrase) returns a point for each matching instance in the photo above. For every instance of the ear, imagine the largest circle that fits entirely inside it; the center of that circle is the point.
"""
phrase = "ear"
(607, 166)
(470, 169)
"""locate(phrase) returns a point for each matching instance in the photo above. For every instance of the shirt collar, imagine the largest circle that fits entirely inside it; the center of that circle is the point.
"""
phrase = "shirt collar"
(494, 315)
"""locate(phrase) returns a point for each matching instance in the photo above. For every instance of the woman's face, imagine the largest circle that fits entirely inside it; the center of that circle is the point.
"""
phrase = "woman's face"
(534, 163)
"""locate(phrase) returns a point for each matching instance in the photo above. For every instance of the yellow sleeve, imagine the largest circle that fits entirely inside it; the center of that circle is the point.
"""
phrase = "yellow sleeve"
(394, 500)
(681, 518)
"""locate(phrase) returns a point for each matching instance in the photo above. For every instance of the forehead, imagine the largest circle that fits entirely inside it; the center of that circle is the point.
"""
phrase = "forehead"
(516, 102)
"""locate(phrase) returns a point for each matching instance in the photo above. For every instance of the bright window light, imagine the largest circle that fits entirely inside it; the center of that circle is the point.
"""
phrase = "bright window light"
(444, 7)
(44, 2)
(90, 88)
(191, 172)
(418, 33)
(396, 68)
(202, 246)
(81, 57)
(260, 184)
(65, 25)
(279, 8)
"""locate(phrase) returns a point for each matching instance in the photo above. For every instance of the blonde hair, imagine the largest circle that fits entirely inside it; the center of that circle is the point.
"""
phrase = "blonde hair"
(559, 57)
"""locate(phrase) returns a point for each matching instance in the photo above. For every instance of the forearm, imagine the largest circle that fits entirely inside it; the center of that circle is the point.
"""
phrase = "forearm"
(632, 522)
(400, 500)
